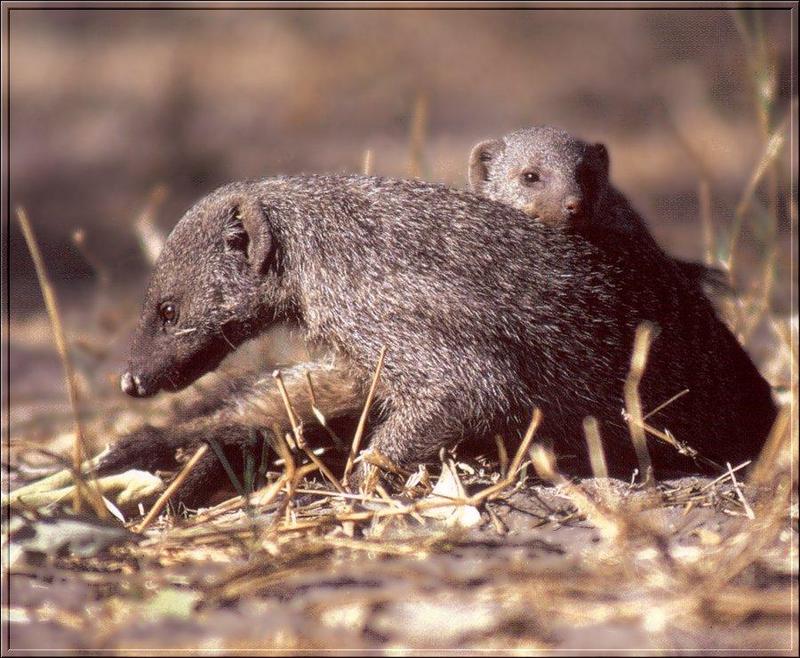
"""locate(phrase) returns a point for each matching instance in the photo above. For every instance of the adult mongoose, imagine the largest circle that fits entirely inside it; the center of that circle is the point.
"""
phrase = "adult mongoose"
(484, 312)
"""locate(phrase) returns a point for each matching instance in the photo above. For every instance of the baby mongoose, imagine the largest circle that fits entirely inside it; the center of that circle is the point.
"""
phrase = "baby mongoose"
(484, 313)
(555, 177)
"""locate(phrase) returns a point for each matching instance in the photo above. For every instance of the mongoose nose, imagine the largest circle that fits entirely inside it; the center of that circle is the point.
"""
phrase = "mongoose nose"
(131, 385)
(572, 204)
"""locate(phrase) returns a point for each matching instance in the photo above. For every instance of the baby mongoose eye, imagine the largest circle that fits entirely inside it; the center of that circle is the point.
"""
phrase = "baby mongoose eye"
(168, 313)
(529, 177)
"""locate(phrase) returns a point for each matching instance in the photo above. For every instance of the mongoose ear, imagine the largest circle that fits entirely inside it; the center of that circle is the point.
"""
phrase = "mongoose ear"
(480, 160)
(247, 231)
(597, 158)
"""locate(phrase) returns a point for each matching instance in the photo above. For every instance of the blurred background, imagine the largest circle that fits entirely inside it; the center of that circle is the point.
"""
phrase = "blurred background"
(123, 118)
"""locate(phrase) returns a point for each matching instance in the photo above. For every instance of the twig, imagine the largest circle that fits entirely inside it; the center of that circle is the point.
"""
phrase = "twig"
(289, 411)
(492, 491)
(633, 403)
(502, 455)
(79, 240)
(396, 503)
(664, 404)
(724, 476)
(608, 521)
(155, 510)
(706, 221)
(78, 448)
(681, 447)
(597, 457)
(362, 422)
(747, 509)
(771, 151)
(366, 167)
(282, 448)
(337, 440)
(324, 469)
(419, 121)
(150, 237)
(291, 489)
(298, 434)
(267, 494)
(311, 393)
(779, 437)
(536, 419)
(336, 494)
(290, 474)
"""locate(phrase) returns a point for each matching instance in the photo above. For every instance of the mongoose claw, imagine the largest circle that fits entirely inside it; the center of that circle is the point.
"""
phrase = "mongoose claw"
(145, 449)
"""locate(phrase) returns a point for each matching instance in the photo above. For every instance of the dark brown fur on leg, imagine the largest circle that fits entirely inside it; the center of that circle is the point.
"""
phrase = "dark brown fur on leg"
(238, 410)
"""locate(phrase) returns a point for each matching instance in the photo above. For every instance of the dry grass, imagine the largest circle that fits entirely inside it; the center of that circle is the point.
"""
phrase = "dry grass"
(78, 450)
(362, 421)
(638, 576)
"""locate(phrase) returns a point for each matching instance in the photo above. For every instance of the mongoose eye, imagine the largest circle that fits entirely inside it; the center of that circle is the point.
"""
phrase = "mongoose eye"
(530, 177)
(168, 313)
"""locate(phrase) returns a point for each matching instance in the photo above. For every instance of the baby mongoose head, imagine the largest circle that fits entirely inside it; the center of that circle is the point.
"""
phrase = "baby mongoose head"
(213, 286)
(543, 171)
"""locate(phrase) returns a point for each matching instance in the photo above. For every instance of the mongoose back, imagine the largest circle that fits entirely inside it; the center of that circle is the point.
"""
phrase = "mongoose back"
(484, 312)
(553, 176)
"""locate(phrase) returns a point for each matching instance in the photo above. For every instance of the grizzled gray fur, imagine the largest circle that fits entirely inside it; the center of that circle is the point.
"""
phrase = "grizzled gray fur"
(484, 312)
(558, 178)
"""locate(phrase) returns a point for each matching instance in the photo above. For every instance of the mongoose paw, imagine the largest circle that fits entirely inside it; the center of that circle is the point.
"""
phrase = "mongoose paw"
(376, 469)
(145, 449)
(203, 482)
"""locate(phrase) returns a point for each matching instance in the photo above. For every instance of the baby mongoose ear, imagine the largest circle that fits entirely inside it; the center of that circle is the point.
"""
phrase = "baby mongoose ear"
(597, 159)
(247, 231)
(480, 160)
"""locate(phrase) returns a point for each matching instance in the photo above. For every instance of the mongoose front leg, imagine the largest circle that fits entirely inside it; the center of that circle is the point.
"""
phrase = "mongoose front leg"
(253, 405)
(412, 434)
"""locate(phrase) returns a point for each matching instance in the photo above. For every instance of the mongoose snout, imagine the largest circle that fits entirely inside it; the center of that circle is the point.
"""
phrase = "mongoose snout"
(573, 205)
(132, 385)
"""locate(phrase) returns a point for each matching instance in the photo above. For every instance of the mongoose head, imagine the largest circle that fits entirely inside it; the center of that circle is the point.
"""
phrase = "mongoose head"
(543, 171)
(214, 285)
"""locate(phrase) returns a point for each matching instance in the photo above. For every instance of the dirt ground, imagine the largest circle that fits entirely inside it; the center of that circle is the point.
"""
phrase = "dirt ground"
(533, 575)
